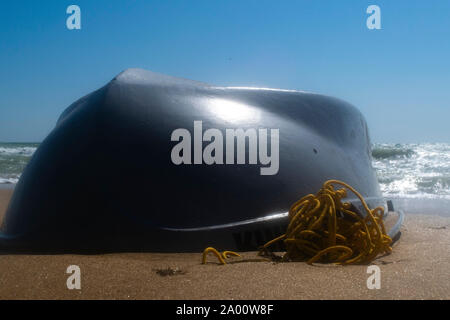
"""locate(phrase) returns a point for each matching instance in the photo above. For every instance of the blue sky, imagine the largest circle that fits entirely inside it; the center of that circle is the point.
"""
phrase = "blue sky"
(399, 76)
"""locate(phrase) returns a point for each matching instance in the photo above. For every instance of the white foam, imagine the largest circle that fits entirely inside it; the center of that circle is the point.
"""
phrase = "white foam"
(25, 151)
(8, 180)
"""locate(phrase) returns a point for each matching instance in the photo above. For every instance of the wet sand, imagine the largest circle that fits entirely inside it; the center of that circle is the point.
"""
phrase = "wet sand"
(418, 268)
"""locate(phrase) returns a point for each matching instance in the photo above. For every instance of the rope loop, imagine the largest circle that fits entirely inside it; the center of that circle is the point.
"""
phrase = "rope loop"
(324, 229)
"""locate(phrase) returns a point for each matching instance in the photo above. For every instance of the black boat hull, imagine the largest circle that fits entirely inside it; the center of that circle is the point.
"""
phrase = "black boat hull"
(105, 178)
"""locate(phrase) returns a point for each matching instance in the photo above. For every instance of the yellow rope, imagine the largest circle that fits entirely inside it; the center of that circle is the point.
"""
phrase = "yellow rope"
(322, 228)
(222, 257)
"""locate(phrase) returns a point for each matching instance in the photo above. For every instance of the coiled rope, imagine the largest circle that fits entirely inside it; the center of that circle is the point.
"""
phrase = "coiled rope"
(324, 229)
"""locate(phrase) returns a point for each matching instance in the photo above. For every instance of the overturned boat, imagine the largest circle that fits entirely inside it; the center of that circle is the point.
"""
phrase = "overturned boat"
(156, 163)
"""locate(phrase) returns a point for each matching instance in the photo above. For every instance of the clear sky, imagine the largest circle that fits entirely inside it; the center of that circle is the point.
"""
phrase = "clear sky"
(399, 76)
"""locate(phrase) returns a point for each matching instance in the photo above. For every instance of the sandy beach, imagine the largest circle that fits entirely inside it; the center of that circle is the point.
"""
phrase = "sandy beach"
(418, 268)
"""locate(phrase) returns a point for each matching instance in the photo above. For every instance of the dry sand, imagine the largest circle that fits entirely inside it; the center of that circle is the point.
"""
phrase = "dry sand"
(418, 268)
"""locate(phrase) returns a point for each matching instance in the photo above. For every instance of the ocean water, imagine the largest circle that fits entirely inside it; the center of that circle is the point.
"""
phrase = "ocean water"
(413, 170)
(13, 159)
(416, 177)
(412, 174)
